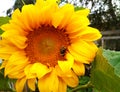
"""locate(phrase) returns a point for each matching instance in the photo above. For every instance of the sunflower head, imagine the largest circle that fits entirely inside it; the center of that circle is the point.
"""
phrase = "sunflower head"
(47, 45)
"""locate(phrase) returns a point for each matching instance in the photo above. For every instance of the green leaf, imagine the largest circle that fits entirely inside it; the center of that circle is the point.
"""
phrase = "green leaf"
(78, 8)
(84, 85)
(84, 80)
(95, 90)
(114, 60)
(3, 20)
(1, 31)
(4, 83)
(102, 75)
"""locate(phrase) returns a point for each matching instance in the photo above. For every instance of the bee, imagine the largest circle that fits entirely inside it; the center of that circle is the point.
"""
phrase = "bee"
(63, 51)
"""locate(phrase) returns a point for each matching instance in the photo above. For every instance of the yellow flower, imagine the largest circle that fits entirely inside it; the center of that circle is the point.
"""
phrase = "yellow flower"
(47, 45)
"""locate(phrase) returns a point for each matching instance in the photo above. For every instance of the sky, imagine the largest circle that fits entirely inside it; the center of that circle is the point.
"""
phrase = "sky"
(5, 5)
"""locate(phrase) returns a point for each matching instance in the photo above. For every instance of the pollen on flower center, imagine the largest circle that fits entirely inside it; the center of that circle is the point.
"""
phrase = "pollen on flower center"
(44, 45)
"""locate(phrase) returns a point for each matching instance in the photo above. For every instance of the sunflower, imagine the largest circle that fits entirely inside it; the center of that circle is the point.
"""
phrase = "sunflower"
(46, 45)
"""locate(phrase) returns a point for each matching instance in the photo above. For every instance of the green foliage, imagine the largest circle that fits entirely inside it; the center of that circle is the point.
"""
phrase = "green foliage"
(1, 31)
(84, 79)
(102, 73)
(114, 60)
(3, 20)
(4, 83)
(83, 85)
(78, 8)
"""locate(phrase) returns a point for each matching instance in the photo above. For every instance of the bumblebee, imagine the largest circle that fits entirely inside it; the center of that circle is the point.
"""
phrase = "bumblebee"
(63, 51)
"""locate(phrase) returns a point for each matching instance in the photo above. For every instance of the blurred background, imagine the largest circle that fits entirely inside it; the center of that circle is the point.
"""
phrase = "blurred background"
(104, 15)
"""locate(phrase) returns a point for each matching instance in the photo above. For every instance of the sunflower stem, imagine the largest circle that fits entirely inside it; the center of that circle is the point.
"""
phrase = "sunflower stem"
(88, 85)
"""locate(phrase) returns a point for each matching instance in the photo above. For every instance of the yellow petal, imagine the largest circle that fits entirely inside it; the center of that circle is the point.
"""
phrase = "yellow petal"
(88, 34)
(85, 49)
(40, 3)
(68, 10)
(60, 73)
(13, 69)
(46, 13)
(30, 16)
(17, 75)
(57, 18)
(3, 42)
(46, 9)
(83, 12)
(16, 64)
(16, 14)
(18, 58)
(9, 33)
(31, 84)
(71, 80)
(77, 23)
(17, 19)
(26, 16)
(48, 83)
(39, 69)
(51, 1)
(5, 27)
(78, 57)
(28, 74)
(62, 87)
(66, 65)
(20, 84)
(13, 28)
(19, 42)
(78, 68)
(6, 49)
(4, 56)
(36, 70)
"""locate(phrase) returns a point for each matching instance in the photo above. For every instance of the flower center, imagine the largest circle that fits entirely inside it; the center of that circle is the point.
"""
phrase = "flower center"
(47, 45)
